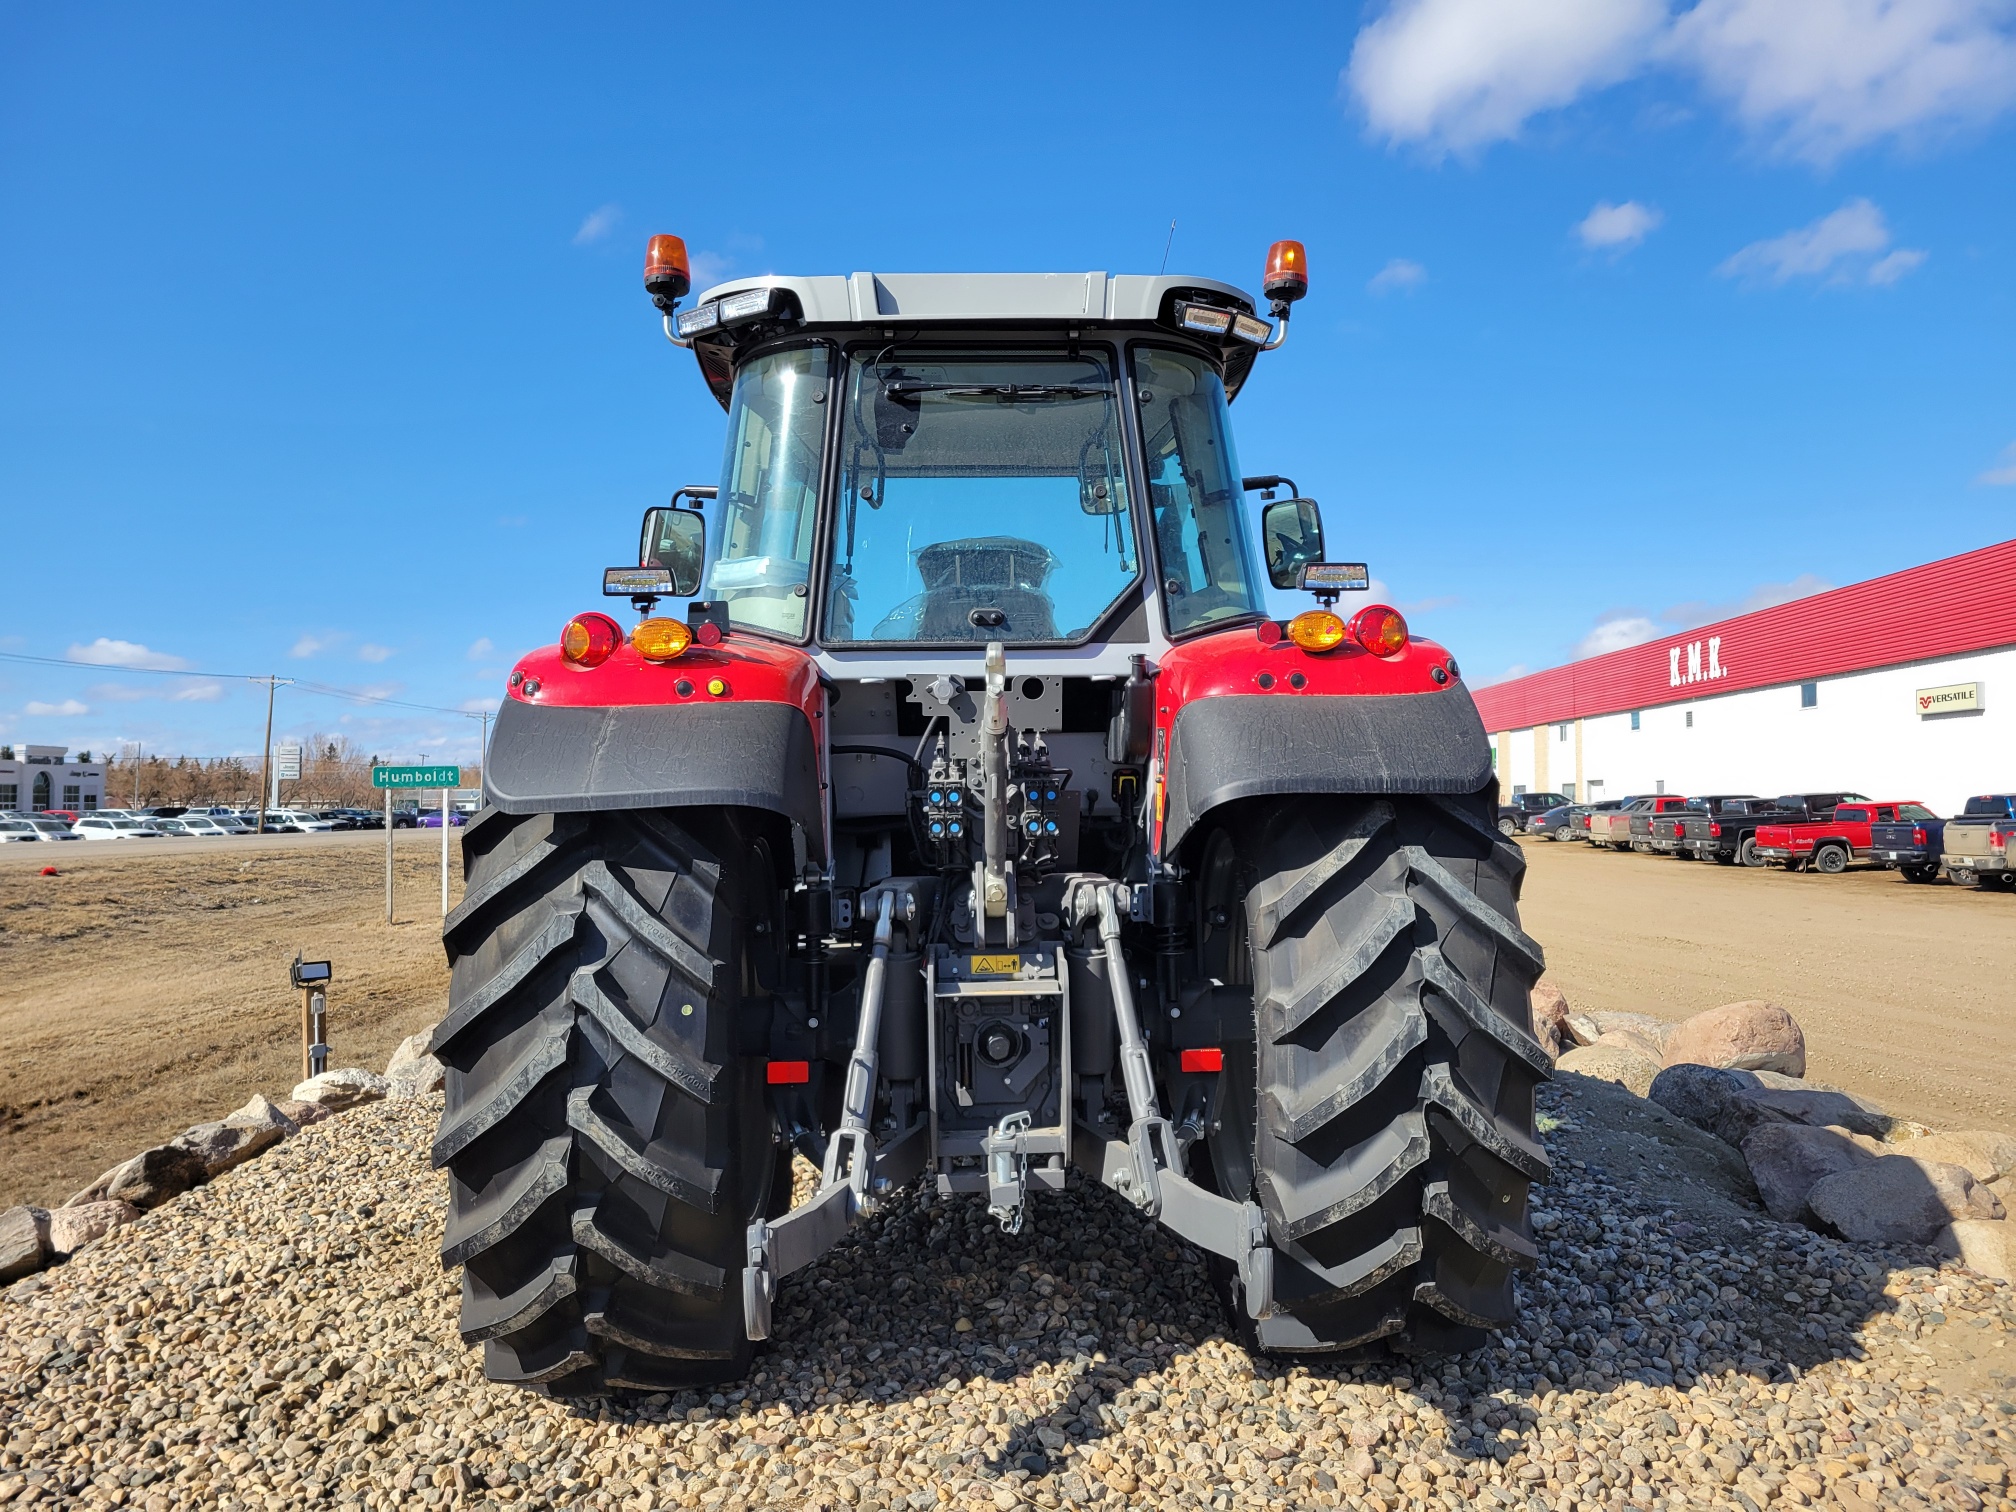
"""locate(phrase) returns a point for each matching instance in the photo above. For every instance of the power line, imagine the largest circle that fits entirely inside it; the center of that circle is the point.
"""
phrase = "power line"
(325, 690)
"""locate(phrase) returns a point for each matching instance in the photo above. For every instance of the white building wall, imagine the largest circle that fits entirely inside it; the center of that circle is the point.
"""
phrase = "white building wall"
(1863, 734)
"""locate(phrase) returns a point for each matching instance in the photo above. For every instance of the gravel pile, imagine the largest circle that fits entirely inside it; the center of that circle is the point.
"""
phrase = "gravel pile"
(284, 1337)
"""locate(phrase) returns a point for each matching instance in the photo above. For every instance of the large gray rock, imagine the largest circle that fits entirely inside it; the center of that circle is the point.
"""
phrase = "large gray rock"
(337, 1090)
(1627, 1068)
(1990, 1156)
(1788, 1160)
(1633, 1040)
(24, 1242)
(1700, 1094)
(1749, 1036)
(1550, 1016)
(1812, 1105)
(413, 1071)
(302, 1113)
(1987, 1245)
(1579, 1029)
(263, 1113)
(147, 1180)
(221, 1146)
(71, 1228)
(1617, 1021)
(1898, 1200)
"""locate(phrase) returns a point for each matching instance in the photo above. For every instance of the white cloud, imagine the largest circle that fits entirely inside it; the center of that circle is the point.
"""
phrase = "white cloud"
(1456, 75)
(374, 653)
(202, 692)
(1764, 596)
(482, 648)
(315, 645)
(103, 652)
(69, 708)
(600, 222)
(709, 268)
(1617, 226)
(2003, 475)
(119, 692)
(1814, 78)
(1843, 248)
(481, 705)
(1400, 274)
(1615, 633)
(1827, 76)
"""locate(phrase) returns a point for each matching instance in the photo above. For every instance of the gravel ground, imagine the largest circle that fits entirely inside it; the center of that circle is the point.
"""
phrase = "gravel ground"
(285, 1338)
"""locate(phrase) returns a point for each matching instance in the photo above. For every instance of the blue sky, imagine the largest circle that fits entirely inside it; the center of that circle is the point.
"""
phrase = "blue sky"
(323, 353)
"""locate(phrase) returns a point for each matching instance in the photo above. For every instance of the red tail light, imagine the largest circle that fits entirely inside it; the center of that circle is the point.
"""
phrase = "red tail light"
(1380, 630)
(589, 639)
(1204, 1060)
(788, 1073)
(1714, 829)
(1918, 835)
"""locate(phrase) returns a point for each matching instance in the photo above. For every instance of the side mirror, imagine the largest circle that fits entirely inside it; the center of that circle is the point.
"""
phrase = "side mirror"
(675, 539)
(1292, 532)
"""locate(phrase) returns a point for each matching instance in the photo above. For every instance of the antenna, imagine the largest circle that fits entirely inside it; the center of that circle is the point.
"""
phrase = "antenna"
(1165, 249)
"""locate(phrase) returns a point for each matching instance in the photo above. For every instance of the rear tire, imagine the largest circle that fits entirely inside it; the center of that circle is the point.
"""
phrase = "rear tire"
(1918, 873)
(1383, 1115)
(606, 1144)
(1830, 860)
(1508, 827)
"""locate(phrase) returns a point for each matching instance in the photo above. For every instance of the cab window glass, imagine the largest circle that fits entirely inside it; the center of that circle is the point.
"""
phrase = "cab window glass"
(770, 490)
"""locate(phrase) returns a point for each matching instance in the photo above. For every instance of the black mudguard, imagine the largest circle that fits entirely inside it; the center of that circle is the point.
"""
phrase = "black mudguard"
(1260, 745)
(744, 755)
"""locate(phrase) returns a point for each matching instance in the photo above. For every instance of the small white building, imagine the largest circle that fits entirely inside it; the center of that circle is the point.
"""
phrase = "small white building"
(1902, 687)
(37, 778)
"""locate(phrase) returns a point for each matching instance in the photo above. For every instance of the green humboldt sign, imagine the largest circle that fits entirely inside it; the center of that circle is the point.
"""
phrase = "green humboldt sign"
(416, 776)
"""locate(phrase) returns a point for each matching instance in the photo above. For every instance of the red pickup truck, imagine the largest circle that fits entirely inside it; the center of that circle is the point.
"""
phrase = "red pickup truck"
(1828, 844)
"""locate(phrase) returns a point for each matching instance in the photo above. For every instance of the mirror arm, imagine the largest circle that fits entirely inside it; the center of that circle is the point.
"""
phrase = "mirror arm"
(672, 335)
(1280, 314)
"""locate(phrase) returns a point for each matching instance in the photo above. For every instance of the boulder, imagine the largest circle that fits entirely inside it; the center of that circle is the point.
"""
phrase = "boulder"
(1633, 1040)
(1751, 1036)
(1615, 1022)
(302, 1113)
(71, 1228)
(1811, 1105)
(1987, 1245)
(1627, 1068)
(337, 1090)
(24, 1242)
(1991, 1157)
(1701, 1095)
(1550, 1016)
(220, 1146)
(147, 1180)
(413, 1071)
(1898, 1200)
(1788, 1160)
(263, 1113)
(1580, 1029)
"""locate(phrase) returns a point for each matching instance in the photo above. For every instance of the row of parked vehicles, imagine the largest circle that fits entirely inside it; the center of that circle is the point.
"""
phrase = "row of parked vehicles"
(213, 823)
(1823, 832)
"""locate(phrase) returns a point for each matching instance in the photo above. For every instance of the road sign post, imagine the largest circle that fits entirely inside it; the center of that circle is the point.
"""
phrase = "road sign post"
(447, 778)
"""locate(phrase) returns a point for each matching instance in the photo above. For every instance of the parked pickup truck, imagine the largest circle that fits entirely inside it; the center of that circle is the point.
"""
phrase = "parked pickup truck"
(1730, 837)
(1613, 830)
(1669, 831)
(1641, 821)
(1909, 844)
(1831, 844)
(1976, 847)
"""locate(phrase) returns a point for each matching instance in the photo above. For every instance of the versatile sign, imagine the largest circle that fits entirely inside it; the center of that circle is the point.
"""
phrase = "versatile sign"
(416, 776)
(287, 763)
(1951, 699)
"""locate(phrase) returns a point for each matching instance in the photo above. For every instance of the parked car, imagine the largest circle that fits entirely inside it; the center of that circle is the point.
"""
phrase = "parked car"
(1641, 819)
(102, 827)
(1831, 843)
(1974, 848)
(1514, 817)
(1552, 825)
(366, 818)
(1909, 844)
(303, 821)
(1611, 829)
(1732, 834)
(201, 826)
(16, 828)
(431, 818)
(1669, 831)
(1580, 814)
(61, 816)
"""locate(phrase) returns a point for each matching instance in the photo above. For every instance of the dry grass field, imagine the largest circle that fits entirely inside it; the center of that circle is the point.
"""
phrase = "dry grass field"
(145, 987)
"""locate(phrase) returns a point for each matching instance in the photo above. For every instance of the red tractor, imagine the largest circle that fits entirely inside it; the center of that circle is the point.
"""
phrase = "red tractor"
(972, 820)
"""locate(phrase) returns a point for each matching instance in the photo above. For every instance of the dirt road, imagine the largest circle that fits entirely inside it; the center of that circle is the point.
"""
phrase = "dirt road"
(1907, 993)
(144, 987)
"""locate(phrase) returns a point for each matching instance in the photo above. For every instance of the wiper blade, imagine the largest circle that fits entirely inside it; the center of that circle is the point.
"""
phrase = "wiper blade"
(1012, 393)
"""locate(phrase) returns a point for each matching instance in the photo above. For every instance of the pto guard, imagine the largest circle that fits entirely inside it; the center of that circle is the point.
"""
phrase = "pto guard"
(1263, 745)
(579, 759)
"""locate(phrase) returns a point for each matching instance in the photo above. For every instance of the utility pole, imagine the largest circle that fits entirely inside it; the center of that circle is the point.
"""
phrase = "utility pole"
(266, 760)
(137, 749)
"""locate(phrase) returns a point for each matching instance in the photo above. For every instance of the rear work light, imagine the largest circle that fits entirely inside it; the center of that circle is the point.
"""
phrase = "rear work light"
(1380, 630)
(661, 640)
(1197, 317)
(589, 639)
(701, 318)
(1204, 1060)
(1316, 630)
(750, 304)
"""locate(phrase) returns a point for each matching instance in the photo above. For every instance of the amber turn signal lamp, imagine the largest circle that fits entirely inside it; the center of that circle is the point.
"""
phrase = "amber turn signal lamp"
(590, 639)
(1380, 630)
(1287, 275)
(660, 640)
(667, 274)
(1316, 630)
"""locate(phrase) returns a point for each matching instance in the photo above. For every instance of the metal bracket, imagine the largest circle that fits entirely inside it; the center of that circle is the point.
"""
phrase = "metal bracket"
(1008, 1171)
